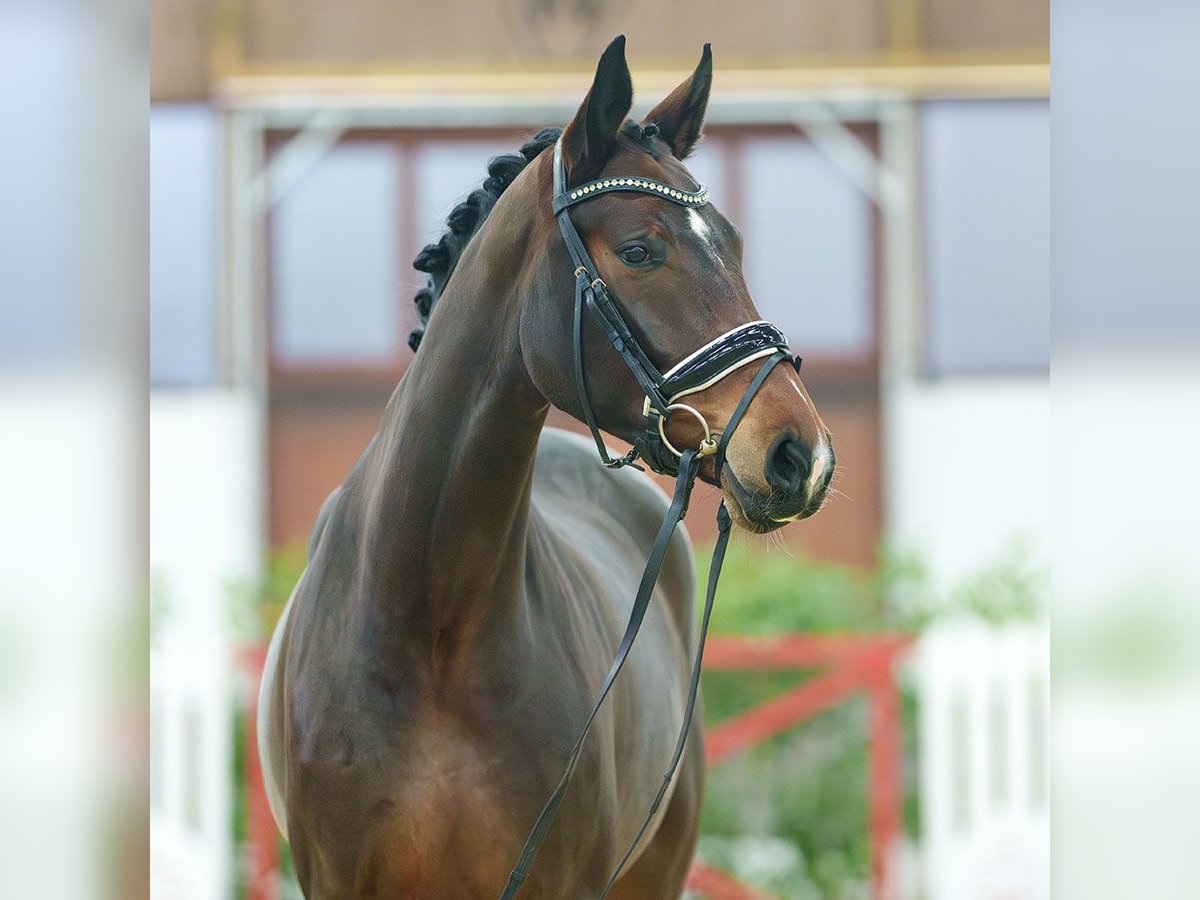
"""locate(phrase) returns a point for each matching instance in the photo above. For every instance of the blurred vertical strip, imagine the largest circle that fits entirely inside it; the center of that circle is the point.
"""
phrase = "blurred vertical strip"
(73, 99)
(1126, 372)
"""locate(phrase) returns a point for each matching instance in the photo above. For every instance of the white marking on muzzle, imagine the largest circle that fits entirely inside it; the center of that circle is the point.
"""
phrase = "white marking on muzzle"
(820, 461)
(821, 457)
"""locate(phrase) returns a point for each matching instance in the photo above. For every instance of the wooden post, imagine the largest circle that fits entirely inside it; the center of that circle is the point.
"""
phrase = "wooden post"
(262, 882)
(851, 664)
(884, 777)
(713, 884)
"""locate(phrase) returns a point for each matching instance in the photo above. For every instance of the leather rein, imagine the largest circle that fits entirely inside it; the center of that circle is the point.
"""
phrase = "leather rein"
(698, 371)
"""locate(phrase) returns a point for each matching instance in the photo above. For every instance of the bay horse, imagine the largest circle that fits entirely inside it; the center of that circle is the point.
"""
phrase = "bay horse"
(467, 583)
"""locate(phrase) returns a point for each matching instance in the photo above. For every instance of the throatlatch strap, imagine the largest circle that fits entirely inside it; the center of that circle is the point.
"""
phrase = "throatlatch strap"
(616, 329)
(581, 389)
(689, 465)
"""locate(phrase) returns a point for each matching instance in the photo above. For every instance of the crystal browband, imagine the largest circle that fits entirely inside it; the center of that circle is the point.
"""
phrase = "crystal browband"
(697, 197)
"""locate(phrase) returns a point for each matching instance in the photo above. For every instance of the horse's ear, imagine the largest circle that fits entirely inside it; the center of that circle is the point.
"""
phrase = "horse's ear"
(680, 117)
(589, 140)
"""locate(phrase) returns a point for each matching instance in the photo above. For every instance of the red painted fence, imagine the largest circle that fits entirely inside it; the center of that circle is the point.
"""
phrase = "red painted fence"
(849, 665)
(262, 838)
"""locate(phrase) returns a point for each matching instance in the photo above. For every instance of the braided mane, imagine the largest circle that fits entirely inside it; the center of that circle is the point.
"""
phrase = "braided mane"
(438, 260)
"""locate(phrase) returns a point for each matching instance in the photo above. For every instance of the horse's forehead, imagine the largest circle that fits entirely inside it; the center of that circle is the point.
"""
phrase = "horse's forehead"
(632, 159)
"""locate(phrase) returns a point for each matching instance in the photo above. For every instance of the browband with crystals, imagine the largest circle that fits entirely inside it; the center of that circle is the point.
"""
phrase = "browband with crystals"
(591, 189)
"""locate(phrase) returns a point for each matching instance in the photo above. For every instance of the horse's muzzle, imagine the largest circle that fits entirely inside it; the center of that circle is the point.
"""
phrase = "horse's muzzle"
(796, 480)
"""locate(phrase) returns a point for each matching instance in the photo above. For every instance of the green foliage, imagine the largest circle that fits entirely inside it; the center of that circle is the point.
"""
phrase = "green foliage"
(805, 789)
(790, 815)
(775, 592)
(1008, 588)
(255, 606)
(1141, 633)
(769, 593)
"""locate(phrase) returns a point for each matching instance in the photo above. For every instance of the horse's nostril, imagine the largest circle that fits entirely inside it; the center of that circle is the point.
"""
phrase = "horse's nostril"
(788, 464)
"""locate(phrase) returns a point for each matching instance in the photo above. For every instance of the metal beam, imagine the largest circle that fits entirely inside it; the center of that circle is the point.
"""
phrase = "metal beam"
(918, 75)
(299, 155)
(829, 134)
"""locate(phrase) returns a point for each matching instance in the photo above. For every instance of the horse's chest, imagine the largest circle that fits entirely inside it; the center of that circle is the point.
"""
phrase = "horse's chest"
(437, 810)
(446, 818)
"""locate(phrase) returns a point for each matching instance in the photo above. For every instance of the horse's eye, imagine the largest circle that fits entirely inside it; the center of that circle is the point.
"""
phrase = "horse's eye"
(635, 255)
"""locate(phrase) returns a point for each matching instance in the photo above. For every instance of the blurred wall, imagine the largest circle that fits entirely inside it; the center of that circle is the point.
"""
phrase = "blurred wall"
(181, 34)
(205, 518)
(967, 406)
(191, 40)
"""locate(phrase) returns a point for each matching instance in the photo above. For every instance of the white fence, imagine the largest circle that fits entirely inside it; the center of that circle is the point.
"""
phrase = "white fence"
(205, 502)
(983, 762)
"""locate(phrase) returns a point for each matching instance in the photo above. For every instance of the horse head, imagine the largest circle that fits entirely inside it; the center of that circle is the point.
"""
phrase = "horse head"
(676, 273)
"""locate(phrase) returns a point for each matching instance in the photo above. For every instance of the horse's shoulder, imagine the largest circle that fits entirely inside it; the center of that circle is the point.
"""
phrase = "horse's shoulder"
(568, 463)
(323, 515)
(568, 476)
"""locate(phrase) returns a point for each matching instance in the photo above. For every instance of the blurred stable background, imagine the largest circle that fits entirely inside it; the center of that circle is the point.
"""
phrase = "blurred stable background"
(888, 164)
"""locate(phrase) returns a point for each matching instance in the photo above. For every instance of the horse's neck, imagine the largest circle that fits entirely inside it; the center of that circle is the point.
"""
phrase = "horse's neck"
(447, 498)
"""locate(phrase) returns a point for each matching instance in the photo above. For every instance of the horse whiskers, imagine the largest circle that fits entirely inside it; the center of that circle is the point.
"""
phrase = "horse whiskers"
(780, 544)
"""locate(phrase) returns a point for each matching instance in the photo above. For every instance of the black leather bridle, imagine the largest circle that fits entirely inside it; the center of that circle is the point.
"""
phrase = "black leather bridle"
(699, 370)
(696, 372)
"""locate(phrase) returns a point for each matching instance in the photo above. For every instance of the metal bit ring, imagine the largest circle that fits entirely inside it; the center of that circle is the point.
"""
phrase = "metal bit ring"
(708, 446)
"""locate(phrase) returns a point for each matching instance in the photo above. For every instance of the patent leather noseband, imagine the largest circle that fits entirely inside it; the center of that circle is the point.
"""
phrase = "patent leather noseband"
(696, 372)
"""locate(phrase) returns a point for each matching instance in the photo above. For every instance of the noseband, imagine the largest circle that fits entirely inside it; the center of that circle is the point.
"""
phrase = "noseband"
(696, 372)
